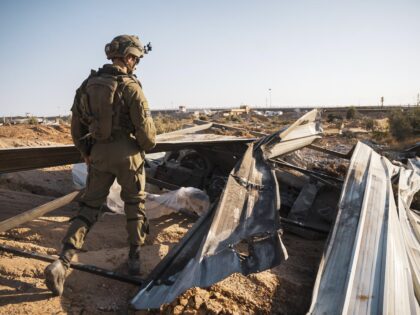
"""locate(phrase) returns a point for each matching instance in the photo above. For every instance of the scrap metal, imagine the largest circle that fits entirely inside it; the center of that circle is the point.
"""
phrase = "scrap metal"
(247, 213)
(371, 262)
(21, 159)
(317, 174)
(346, 156)
(366, 267)
(408, 185)
(302, 225)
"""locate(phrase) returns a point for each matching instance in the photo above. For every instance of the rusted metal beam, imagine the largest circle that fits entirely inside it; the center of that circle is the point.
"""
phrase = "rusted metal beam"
(38, 211)
(75, 265)
(331, 181)
(346, 156)
(301, 225)
(193, 144)
(21, 159)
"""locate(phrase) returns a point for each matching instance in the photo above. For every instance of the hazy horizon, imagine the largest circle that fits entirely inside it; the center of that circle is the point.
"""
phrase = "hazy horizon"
(218, 54)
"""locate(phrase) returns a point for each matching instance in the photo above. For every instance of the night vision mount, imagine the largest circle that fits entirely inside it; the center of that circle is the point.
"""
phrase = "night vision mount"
(147, 47)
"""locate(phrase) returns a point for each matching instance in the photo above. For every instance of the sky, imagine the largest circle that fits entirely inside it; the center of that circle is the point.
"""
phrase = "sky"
(219, 53)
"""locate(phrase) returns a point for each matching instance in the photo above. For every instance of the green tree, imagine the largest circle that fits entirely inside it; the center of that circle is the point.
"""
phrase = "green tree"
(370, 124)
(414, 118)
(33, 120)
(351, 113)
(399, 125)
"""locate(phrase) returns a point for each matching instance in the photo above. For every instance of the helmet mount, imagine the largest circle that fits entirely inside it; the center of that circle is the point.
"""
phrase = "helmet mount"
(124, 45)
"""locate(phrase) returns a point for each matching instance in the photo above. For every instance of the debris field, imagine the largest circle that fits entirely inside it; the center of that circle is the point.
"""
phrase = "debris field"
(265, 245)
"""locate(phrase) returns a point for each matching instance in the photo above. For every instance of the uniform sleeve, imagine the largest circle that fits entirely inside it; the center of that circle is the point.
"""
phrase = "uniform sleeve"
(145, 131)
(78, 129)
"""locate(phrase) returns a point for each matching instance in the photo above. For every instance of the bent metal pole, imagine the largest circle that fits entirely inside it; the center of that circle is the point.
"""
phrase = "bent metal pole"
(38, 211)
(75, 265)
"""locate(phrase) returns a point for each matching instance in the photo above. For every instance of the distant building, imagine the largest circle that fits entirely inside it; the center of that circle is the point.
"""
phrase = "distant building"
(247, 108)
(243, 109)
(182, 109)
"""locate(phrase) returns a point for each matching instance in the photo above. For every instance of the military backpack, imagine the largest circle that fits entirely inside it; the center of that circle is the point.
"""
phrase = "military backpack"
(101, 103)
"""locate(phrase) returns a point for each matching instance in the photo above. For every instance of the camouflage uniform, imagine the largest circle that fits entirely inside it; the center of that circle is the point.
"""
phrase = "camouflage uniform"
(112, 127)
(121, 157)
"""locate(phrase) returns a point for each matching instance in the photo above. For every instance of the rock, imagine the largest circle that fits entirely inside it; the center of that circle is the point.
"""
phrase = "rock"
(214, 308)
(216, 295)
(189, 311)
(183, 301)
(197, 302)
(178, 310)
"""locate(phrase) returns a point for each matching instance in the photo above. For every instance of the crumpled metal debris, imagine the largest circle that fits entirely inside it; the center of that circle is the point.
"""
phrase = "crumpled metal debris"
(371, 261)
(240, 233)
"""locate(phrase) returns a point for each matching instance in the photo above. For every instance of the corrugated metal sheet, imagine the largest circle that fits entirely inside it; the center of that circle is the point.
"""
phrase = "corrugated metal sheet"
(409, 184)
(300, 134)
(365, 268)
(246, 214)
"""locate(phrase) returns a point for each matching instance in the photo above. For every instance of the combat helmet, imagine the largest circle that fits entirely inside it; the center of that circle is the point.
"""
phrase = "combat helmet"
(123, 45)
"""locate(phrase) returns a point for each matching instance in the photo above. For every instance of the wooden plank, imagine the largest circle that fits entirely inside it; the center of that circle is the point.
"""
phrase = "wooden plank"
(38, 211)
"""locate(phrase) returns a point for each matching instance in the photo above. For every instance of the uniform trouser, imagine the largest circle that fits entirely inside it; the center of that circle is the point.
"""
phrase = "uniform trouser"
(120, 159)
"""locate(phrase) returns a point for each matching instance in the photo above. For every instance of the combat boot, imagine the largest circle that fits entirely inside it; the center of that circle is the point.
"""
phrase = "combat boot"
(134, 260)
(55, 274)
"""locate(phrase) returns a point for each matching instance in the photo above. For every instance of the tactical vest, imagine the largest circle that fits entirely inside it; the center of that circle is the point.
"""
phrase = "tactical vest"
(102, 106)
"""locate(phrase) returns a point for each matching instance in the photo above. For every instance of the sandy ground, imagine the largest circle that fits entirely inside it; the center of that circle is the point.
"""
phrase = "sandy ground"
(285, 289)
(34, 135)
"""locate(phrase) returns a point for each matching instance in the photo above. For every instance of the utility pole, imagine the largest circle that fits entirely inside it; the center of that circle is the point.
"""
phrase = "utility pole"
(418, 99)
(269, 91)
(382, 101)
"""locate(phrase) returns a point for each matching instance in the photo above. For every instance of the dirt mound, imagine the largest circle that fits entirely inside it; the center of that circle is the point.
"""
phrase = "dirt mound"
(52, 181)
(34, 135)
(285, 289)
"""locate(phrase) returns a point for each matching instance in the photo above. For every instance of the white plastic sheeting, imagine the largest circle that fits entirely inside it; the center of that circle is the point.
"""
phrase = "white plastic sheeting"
(79, 173)
(187, 199)
(369, 265)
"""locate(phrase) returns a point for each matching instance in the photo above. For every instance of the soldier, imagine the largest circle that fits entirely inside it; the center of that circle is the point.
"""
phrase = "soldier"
(111, 127)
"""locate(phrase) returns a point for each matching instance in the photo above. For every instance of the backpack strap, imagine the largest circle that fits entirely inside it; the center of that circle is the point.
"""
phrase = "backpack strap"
(121, 119)
(81, 101)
